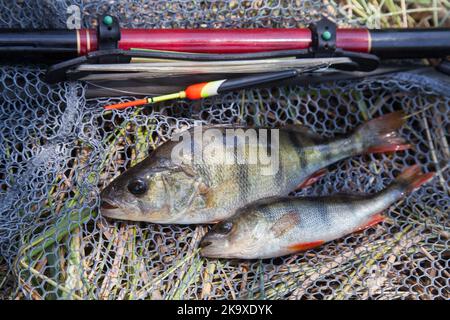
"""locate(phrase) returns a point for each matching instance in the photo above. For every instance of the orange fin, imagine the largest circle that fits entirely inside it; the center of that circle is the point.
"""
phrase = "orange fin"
(412, 178)
(377, 218)
(312, 179)
(388, 148)
(305, 245)
(381, 134)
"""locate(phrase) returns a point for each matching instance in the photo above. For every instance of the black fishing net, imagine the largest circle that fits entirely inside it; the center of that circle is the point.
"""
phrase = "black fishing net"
(59, 149)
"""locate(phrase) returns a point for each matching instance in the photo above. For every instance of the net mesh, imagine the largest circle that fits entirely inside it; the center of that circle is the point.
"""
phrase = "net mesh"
(60, 149)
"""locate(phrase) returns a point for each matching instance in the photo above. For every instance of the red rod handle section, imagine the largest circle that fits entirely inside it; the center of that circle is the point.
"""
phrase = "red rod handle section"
(224, 40)
(217, 41)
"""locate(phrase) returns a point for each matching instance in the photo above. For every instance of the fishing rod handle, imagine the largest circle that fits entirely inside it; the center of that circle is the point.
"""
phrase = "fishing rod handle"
(79, 42)
(62, 44)
(399, 43)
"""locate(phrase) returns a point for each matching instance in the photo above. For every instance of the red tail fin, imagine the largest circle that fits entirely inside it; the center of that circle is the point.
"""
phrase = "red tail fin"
(379, 134)
(411, 178)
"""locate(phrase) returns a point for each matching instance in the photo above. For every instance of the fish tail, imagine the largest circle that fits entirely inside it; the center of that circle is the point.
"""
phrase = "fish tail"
(380, 134)
(411, 178)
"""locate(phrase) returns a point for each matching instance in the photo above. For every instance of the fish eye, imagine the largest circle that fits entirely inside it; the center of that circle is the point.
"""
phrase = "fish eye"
(223, 228)
(137, 187)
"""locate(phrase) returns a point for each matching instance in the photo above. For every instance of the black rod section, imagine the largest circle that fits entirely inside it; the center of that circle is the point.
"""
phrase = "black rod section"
(410, 43)
(37, 45)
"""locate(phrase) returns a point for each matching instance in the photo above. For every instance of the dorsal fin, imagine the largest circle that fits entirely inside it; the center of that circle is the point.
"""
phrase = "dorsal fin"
(304, 131)
(299, 128)
(343, 196)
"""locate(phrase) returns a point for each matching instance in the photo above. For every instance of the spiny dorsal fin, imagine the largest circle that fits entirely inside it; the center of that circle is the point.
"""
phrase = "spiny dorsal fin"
(304, 131)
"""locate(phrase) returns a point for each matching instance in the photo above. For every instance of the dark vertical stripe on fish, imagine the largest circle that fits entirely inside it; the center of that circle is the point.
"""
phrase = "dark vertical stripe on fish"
(279, 176)
(269, 142)
(242, 181)
(298, 145)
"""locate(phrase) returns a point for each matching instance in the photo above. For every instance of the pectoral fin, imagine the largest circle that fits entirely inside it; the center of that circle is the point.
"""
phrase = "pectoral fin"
(373, 221)
(285, 223)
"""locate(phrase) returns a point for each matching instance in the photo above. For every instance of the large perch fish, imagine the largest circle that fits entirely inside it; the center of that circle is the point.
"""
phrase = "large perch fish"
(275, 227)
(160, 190)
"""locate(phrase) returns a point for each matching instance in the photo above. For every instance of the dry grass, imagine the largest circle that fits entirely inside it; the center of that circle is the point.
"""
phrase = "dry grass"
(397, 13)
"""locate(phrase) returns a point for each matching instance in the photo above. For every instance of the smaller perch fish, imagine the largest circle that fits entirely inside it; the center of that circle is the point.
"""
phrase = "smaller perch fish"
(275, 226)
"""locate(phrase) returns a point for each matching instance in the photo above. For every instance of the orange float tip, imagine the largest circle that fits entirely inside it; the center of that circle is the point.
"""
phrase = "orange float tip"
(128, 104)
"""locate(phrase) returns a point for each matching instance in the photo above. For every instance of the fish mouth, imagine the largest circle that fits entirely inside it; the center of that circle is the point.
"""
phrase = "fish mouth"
(111, 210)
(115, 213)
(107, 205)
(209, 252)
(208, 248)
(204, 244)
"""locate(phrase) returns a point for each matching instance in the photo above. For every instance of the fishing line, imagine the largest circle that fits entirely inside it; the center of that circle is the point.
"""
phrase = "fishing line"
(131, 93)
